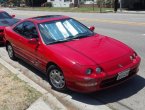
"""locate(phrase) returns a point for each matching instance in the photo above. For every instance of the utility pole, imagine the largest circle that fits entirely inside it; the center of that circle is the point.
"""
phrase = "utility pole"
(120, 2)
(32, 4)
(93, 5)
(100, 6)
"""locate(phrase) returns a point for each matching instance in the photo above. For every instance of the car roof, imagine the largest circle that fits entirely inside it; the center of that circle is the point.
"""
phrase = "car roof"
(47, 18)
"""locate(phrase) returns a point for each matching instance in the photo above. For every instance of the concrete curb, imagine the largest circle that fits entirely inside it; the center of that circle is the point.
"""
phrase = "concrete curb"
(47, 101)
(131, 12)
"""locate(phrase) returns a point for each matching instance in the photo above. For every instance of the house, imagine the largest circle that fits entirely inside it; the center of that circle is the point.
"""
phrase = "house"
(61, 3)
(67, 3)
(127, 4)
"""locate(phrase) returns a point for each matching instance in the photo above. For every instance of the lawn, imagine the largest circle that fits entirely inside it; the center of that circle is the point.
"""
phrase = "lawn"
(14, 93)
(53, 9)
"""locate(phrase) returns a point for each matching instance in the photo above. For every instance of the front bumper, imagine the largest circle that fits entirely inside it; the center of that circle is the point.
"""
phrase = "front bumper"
(87, 85)
(113, 80)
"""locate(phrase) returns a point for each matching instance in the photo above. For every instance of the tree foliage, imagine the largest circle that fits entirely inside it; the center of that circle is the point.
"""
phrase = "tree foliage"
(105, 3)
(27, 2)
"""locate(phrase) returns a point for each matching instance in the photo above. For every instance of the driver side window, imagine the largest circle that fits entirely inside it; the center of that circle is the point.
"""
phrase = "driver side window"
(27, 29)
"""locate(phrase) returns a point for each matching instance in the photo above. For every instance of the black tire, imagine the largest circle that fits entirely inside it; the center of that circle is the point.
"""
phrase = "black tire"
(10, 51)
(56, 78)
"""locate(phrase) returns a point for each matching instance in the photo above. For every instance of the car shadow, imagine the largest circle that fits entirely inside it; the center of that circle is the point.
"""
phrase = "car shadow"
(2, 45)
(31, 68)
(113, 94)
(110, 95)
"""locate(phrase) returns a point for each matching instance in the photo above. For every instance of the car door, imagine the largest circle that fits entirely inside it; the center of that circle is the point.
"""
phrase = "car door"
(25, 42)
(15, 39)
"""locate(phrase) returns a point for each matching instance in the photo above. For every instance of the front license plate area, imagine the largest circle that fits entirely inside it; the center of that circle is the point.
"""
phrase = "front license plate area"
(123, 74)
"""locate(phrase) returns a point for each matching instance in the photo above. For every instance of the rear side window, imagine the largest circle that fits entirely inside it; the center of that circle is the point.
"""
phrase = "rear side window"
(26, 29)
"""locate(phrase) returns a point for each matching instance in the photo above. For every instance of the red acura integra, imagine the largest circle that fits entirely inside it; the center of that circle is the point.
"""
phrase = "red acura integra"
(71, 55)
(5, 20)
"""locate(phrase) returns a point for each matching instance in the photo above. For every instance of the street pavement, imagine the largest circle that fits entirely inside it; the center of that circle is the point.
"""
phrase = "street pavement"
(128, 28)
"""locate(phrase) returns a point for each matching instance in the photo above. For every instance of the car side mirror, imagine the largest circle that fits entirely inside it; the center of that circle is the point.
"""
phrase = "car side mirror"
(13, 16)
(33, 41)
(92, 28)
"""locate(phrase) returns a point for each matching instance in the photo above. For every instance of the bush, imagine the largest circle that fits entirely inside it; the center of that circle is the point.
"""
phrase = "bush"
(109, 3)
(105, 3)
(47, 4)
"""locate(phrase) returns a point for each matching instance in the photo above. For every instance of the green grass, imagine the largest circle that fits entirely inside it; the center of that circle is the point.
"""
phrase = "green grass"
(82, 9)
(15, 94)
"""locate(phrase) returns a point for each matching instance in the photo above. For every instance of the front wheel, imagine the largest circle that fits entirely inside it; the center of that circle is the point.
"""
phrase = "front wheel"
(11, 51)
(56, 78)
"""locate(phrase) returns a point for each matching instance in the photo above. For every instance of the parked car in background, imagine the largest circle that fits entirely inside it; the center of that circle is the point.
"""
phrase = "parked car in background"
(5, 20)
(71, 54)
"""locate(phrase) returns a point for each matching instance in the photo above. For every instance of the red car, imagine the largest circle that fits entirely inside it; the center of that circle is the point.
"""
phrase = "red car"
(5, 20)
(71, 54)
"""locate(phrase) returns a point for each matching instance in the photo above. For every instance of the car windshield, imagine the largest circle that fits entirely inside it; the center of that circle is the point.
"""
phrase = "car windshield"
(4, 15)
(63, 30)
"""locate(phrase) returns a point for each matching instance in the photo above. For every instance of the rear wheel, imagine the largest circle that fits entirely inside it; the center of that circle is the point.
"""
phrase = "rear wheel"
(11, 51)
(56, 78)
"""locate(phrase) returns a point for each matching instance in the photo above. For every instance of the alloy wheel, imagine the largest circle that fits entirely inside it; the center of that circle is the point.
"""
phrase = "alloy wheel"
(57, 79)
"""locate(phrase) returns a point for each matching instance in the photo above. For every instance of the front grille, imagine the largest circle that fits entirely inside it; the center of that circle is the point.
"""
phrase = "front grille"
(114, 81)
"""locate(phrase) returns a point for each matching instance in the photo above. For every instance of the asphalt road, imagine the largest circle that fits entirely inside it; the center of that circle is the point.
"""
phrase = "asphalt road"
(128, 28)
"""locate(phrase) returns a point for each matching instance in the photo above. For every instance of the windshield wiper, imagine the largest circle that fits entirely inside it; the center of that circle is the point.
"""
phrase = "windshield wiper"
(78, 36)
(59, 41)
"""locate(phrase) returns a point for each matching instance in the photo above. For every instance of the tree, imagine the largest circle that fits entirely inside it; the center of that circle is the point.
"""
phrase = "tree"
(104, 4)
(3, 1)
(16, 2)
(100, 2)
(34, 2)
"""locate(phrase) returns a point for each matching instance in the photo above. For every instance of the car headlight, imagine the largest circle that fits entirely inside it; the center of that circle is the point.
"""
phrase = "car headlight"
(133, 56)
(98, 70)
(88, 71)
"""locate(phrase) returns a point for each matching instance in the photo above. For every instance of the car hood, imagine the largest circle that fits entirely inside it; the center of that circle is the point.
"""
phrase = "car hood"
(97, 49)
(8, 22)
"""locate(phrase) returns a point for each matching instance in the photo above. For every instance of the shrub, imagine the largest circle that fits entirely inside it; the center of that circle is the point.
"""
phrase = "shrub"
(105, 3)
(47, 4)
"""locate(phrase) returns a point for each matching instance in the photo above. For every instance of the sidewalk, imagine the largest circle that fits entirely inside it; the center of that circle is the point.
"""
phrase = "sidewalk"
(130, 12)
(47, 102)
